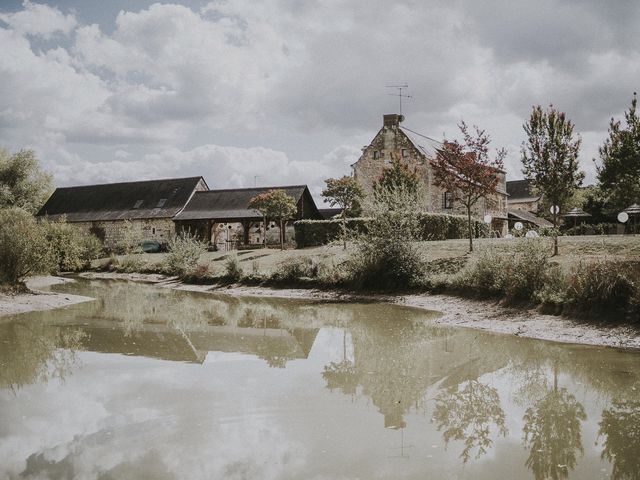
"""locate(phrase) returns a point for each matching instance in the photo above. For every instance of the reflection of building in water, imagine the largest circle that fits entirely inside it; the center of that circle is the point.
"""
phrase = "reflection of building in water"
(164, 341)
(395, 362)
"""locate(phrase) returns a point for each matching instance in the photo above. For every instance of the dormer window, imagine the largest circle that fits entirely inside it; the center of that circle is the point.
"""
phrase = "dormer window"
(138, 204)
(161, 203)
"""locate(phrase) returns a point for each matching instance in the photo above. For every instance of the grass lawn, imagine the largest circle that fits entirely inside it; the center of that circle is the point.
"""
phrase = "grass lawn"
(572, 250)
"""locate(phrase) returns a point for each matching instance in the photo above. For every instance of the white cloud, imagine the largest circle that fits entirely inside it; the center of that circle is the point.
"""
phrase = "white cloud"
(39, 20)
(169, 84)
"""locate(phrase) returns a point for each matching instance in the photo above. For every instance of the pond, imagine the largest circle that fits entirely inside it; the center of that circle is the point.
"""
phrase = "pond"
(146, 382)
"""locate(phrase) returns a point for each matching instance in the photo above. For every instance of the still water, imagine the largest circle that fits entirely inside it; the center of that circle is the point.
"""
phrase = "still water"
(150, 383)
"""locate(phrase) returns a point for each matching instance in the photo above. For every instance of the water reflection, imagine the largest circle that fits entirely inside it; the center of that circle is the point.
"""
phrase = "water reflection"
(328, 389)
(552, 433)
(620, 429)
(469, 413)
(37, 352)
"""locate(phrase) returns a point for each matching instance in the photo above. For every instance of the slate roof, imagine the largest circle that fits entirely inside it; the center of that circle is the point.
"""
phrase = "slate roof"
(529, 217)
(119, 201)
(233, 203)
(520, 191)
(329, 213)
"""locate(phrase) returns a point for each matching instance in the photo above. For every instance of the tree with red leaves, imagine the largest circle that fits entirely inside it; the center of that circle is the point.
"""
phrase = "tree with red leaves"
(467, 170)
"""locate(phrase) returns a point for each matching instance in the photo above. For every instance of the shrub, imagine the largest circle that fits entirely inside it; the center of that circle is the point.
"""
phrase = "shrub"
(430, 226)
(72, 248)
(233, 269)
(292, 270)
(129, 241)
(184, 252)
(604, 286)
(386, 257)
(517, 275)
(24, 249)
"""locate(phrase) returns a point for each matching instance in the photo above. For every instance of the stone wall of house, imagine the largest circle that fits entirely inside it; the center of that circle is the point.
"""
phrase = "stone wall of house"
(529, 206)
(113, 232)
(392, 142)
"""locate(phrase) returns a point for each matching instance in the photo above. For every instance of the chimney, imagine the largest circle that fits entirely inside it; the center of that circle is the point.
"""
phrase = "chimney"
(392, 120)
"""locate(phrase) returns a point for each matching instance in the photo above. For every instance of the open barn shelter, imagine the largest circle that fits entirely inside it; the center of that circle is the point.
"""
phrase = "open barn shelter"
(222, 218)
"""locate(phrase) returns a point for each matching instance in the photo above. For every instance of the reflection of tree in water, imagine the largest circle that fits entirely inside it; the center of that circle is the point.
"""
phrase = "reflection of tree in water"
(620, 427)
(552, 433)
(36, 352)
(466, 413)
(389, 365)
(342, 375)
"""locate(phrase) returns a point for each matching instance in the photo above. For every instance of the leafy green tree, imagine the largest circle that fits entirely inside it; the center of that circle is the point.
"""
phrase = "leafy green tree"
(396, 177)
(346, 193)
(22, 183)
(619, 171)
(550, 159)
(24, 247)
(73, 250)
(275, 205)
(468, 171)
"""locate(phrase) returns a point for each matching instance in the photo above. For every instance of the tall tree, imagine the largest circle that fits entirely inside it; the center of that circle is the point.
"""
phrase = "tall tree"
(468, 171)
(550, 159)
(396, 177)
(275, 205)
(23, 184)
(619, 171)
(346, 193)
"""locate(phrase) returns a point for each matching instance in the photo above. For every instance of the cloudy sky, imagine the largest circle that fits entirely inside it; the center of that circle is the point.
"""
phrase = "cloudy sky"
(287, 91)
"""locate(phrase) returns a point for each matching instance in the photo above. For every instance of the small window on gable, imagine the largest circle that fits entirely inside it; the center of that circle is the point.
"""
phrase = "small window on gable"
(376, 154)
(138, 204)
(405, 153)
(447, 201)
(153, 231)
(161, 203)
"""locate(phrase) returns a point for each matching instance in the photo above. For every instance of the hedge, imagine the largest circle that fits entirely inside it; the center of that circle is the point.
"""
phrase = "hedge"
(433, 226)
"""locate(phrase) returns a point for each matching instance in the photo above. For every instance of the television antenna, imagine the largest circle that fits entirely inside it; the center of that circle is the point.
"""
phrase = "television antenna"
(399, 94)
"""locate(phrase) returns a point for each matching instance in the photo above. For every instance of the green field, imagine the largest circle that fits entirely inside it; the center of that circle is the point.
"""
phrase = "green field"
(265, 261)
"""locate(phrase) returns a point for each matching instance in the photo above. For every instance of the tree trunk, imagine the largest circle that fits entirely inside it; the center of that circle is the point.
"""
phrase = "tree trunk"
(264, 231)
(281, 236)
(555, 232)
(470, 229)
(344, 229)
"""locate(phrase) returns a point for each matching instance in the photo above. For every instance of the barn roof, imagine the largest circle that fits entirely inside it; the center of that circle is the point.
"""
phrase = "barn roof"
(233, 203)
(529, 218)
(120, 201)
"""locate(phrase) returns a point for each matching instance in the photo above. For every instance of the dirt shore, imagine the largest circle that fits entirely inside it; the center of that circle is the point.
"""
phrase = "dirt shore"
(38, 299)
(481, 315)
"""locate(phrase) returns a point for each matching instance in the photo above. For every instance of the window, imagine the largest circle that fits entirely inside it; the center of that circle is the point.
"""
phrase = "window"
(138, 204)
(447, 200)
(153, 231)
(376, 154)
(161, 203)
(405, 153)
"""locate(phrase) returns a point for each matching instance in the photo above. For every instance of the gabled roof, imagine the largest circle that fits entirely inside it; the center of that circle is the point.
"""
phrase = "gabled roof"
(328, 213)
(529, 218)
(425, 145)
(521, 191)
(120, 201)
(233, 203)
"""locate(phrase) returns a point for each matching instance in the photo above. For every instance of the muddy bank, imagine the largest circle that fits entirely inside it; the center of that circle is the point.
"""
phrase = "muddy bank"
(38, 299)
(478, 314)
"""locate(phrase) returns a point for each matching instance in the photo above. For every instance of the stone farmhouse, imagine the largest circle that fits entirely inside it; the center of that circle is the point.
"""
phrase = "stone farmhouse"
(154, 210)
(415, 152)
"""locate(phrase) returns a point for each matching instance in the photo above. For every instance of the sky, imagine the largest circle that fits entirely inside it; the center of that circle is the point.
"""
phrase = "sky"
(282, 92)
